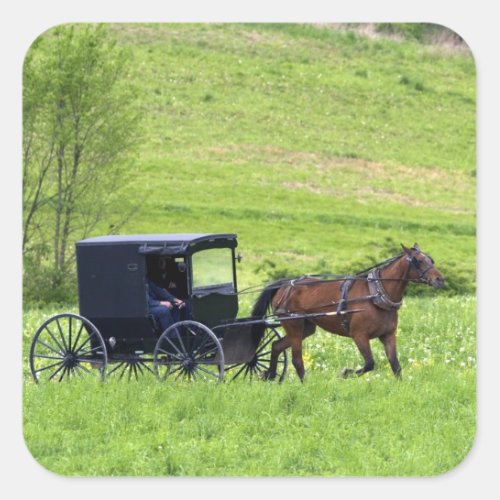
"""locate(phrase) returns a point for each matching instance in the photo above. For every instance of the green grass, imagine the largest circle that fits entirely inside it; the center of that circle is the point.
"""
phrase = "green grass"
(314, 145)
(323, 150)
(325, 427)
(373, 425)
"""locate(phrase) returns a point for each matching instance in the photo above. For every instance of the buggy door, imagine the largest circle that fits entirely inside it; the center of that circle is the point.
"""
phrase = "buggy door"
(213, 286)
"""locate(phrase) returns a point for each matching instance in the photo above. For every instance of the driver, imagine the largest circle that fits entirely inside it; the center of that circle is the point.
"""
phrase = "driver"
(163, 305)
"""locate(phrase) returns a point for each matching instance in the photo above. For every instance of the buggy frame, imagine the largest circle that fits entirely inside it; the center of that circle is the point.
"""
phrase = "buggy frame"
(114, 335)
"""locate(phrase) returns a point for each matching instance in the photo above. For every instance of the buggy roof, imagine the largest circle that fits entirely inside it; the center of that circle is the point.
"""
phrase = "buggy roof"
(165, 244)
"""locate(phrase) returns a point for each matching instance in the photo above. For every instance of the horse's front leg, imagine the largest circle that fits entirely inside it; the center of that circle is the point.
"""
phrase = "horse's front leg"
(389, 342)
(297, 360)
(362, 342)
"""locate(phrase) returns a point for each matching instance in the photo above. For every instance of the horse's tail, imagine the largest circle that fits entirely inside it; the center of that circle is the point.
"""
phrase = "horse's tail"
(262, 307)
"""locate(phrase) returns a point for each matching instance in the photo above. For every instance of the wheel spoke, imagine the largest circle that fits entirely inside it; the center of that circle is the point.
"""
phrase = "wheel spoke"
(49, 366)
(265, 344)
(61, 348)
(69, 331)
(65, 370)
(145, 365)
(261, 366)
(44, 356)
(180, 340)
(179, 369)
(90, 351)
(168, 353)
(261, 361)
(174, 346)
(75, 343)
(237, 374)
(83, 344)
(118, 365)
(124, 369)
(205, 354)
(61, 334)
(57, 371)
(61, 354)
(168, 372)
(83, 368)
(211, 373)
(205, 339)
(260, 354)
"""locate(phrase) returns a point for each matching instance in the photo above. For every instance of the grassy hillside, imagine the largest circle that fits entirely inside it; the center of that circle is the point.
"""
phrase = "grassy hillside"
(322, 149)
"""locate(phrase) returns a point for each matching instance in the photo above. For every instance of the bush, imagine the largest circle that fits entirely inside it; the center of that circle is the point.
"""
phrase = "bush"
(43, 285)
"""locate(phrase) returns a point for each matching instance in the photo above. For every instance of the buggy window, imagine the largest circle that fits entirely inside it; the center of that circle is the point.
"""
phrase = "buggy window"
(213, 268)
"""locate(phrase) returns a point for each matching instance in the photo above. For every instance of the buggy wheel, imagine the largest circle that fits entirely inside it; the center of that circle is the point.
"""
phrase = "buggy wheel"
(189, 350)
(129, 368)
(259, 364)
(67, 345)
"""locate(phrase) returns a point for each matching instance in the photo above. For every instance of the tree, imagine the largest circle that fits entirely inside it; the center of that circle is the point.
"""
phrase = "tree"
(80, 126)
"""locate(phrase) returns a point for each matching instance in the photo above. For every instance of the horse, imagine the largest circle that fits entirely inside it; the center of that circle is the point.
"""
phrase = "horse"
(380, 289)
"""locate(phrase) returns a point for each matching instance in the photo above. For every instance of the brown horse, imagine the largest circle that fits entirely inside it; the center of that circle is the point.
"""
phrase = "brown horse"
(378, 291)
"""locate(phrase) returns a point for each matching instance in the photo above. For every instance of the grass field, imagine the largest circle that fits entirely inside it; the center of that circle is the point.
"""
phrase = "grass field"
(323, 150)
(374, 425)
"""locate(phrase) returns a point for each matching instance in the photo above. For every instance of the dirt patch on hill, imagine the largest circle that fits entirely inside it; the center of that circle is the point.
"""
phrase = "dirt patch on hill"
(341, 177)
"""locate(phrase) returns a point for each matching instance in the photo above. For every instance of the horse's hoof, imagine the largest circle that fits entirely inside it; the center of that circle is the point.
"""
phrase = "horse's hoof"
(346, 372)
(267, 376)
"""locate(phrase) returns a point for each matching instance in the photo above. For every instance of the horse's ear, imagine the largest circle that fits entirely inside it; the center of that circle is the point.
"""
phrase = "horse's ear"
(416, 247)
(406, 250)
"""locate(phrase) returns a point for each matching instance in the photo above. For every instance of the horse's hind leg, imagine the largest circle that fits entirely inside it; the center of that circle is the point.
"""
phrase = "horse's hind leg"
(389, 341)
(277, 348)
(294, 333)
(363, 344)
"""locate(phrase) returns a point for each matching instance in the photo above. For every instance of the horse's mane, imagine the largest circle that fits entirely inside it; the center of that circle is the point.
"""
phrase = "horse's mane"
(341, 277)
(380, 265)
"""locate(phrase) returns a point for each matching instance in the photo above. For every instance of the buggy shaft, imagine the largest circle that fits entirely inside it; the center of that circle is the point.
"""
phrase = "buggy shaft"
(316, 315)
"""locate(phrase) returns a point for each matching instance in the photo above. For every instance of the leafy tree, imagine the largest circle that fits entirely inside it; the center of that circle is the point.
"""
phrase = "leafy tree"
(80, 125)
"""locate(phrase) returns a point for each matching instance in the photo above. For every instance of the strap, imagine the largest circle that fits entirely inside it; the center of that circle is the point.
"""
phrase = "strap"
(342, 304)
(380, 297)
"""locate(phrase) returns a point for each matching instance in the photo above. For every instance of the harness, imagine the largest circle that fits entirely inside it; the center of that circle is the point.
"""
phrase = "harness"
(378, 294)
(284, 299)
(342, 305)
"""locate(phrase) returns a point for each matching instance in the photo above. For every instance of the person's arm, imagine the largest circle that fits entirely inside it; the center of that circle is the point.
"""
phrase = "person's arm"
(159, 294)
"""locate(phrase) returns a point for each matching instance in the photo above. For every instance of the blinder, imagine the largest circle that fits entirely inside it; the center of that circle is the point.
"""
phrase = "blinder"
(417, 265)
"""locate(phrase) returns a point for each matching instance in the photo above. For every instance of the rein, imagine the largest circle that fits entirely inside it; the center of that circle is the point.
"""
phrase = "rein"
(378, 294)
(326, 278)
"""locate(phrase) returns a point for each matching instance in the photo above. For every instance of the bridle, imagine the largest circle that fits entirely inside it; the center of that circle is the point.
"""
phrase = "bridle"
(416, 264)
(379, 295)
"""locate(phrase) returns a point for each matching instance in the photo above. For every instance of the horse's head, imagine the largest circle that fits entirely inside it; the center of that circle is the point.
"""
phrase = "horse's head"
(422, 269)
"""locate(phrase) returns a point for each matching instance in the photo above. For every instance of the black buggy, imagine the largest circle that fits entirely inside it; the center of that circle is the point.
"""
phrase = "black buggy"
(114, 334)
